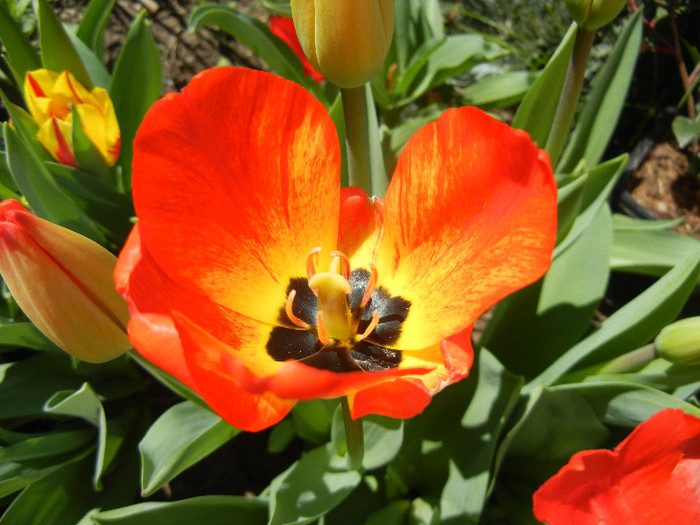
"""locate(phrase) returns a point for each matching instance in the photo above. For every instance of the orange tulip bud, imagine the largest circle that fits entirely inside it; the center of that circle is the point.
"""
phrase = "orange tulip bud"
(63, 283)
(50, 97)
(345, 41)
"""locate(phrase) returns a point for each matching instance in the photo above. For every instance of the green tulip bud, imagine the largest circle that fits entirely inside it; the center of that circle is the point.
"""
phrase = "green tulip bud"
(345, 40)
(680, 342)
(592, 14)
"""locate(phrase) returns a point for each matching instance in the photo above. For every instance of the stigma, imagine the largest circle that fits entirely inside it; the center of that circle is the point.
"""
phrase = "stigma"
(336, 322)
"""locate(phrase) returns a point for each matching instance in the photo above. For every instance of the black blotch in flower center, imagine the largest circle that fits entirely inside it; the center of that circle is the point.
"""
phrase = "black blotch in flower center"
(288, 341)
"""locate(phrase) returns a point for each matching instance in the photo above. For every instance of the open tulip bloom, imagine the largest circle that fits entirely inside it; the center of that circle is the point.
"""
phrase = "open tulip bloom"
(257, 281)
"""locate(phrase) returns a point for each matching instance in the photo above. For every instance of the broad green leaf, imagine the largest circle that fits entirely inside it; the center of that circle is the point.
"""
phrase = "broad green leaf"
(59, 498)
(24, 335)
(57, 50)
(631, 326)
(602, 107)
(92, 27)
(310, 487)
(535, 325)
(110, 210)
(209, 510)
(383, 438)
(41, 191)
(20, 52)
(137, 81)
(599, 186)
(536, 111)
(182, 436)
(93, 65)
(641, 246)
(25, 386)
(569, 200)
(254, 34)
(394, 513)
(84, 404)
(47, 445)
(499, 90)
(312, 419)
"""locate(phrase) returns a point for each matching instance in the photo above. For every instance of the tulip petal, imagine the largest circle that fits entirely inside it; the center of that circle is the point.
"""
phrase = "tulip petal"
(232, 196)
(470, 216)
(651, 478)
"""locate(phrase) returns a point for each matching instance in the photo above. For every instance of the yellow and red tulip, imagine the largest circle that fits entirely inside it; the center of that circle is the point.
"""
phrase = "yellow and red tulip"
(63, 283)
(253, 278)
(650, 478)
(50, 97)
(345, 40)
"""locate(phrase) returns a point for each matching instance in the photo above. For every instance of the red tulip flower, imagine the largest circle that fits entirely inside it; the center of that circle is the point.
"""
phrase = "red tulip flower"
(651, 478)
(283, 28)
(253, 278)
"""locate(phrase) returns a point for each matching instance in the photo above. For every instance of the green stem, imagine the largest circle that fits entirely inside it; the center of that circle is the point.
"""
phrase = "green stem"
(357, 137)
(354, 436)
(570, 93)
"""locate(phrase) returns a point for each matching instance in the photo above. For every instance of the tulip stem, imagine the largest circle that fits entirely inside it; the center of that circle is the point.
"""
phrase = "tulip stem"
(362, 171)
(354, 436)
(570, 93)
(629, 361)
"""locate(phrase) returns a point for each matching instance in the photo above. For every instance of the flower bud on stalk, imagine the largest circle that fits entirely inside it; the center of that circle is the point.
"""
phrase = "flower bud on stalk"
(50, 97)
(345, 40)
(63, 283)
(680, 342)
(592, 14)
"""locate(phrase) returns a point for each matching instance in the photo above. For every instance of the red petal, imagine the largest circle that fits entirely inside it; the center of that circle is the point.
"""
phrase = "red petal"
(469, 217)
(402, 398)
(235, 180)
(651, 478)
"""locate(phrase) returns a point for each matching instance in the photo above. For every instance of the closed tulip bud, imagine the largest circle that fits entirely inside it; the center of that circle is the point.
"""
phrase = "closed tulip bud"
(345, 40)
(592, 14)
(63, 282)
(50, 97)
(680, 342)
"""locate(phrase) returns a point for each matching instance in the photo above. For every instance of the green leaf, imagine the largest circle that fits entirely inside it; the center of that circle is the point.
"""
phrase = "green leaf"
(19, 50)
(26, 385)
(182, 436)
(60, 498)
(310, 487)
(92, 27)
(93, 65)
(312, 419)
(645, 247)
(603, 105)
(534, 326)
(255, 35)
(685, 130)
(383, 440)
(498, 91)
(212, 510)
(84, 404)
(394, 513)
(536, 111)
(57, 50)
(631, 326)
(24, 335)
(137, 81)
(47, 445)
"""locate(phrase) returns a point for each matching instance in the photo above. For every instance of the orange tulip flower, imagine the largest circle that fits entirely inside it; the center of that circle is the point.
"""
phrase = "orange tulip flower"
(283, 28)
(651, 478)
(50, 97)
(63, 283)
(253, 278)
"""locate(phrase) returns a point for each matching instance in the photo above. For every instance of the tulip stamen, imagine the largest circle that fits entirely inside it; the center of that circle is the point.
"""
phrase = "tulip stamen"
(321, 331)
(312, 262)
(371, 285)
(290, 314)
(370, 328)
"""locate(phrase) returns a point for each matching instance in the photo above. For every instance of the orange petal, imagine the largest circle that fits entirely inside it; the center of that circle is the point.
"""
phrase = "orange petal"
(235, 180)
(469, 217)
